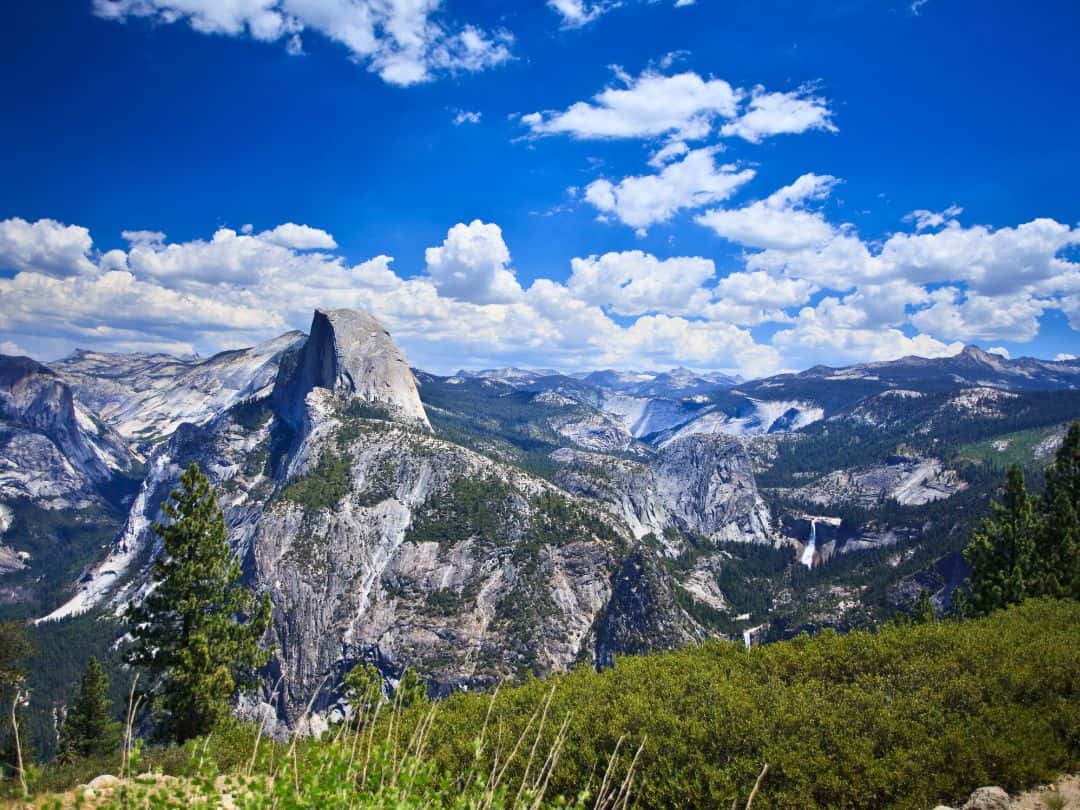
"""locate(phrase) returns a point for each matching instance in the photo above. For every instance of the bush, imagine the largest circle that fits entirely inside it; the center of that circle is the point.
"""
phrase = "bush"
(905, 717)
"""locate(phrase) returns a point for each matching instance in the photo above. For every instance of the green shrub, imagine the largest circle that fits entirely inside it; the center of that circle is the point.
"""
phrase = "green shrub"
(905, 717)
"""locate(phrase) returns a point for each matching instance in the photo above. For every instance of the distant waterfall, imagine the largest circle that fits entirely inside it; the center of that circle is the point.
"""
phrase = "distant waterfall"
(811, 545)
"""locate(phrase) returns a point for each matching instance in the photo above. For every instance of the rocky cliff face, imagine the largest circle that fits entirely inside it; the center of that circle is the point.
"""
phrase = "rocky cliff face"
(52, 451)
(701, 485)
(379, 541)
(508, 522)
(349, 352)
(146, 397)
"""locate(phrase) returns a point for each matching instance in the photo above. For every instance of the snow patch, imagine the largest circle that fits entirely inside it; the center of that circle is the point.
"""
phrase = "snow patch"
(767, 416)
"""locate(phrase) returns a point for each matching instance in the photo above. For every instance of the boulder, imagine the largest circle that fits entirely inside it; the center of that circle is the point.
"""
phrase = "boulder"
(104, 782)
(988, 798)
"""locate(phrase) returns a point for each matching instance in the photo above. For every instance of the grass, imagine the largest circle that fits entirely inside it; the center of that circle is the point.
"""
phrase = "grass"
(1011, 448)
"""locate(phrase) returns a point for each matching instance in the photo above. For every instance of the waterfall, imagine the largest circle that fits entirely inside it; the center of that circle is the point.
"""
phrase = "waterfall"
(811, 545)
(747, 636)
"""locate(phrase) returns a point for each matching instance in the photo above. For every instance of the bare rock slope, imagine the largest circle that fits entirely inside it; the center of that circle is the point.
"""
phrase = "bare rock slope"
(378, 541)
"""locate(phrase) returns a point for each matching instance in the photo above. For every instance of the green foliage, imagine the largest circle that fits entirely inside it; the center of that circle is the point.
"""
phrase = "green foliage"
(1002, 551)
(497, 421)
(62, 650)
(323, 486)
(61, 544)
(1030, 546)
(907, 717)
(824, 446)
(924, 609)
(411, 691)
(364, 689)
(15, 648)
(1005, 450)
(89, 728)
(443, 601)
(473, 507)
(749, 577)
(358, 416)
(198, 631)
(252, 414)
(346, 769)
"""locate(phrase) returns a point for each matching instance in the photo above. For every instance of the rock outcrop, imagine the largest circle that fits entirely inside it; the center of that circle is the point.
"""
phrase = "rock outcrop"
(52, 451)
(701, 485)
(146, 397)
(908, 480)
(352, 353)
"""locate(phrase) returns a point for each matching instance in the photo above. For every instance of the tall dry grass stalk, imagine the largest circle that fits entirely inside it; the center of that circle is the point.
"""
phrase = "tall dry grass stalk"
(19, 768)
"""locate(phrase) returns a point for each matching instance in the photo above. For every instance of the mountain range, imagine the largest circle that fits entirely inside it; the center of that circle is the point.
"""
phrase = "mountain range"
(484, 524)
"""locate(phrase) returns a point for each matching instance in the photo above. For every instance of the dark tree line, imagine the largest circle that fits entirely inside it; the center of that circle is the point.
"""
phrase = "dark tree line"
(1029, 546)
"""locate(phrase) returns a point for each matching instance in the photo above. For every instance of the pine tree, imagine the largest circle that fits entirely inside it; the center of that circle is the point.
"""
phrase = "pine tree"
(1063, 476)
(1058, 550)
(410, 689)
(89, 728)
(923, 610)
(364, 691)
(198, 630)
(1002, 550)
(1030, 546)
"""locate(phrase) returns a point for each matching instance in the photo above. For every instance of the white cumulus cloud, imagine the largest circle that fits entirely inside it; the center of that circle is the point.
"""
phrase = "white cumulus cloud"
(780, 220)
(649, 105)
(45, 246)
(473, 264)
(633, 282)
(404, 41)
(645, 200)
(926, 220)
(843, 300)
(790, 113)
(300, 237)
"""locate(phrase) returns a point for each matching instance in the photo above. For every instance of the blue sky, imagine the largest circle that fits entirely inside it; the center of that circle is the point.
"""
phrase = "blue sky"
(572, 184)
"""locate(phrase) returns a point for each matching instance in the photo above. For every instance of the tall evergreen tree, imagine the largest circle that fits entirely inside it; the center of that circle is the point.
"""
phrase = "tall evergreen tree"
(14, 650)
(1002, 550)
(89, 728)
(364, 691)
(1058, 548)
(923, 611)
(411, 690)
(198, 630)
(1030, 546)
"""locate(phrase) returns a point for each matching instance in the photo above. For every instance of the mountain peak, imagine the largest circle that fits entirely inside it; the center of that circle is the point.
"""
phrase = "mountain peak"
(349, 351)
(14, 368)
(973, 352)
